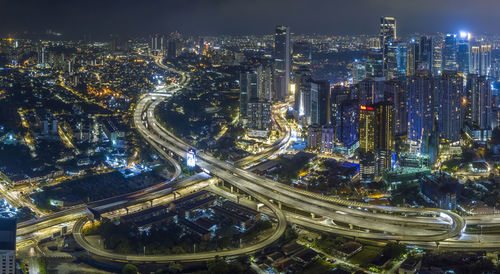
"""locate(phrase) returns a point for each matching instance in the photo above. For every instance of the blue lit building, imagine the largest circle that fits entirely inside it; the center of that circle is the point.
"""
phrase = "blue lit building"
(401, 59)
(449, 93)
(463, 53)
(420, 96)
(347, 123)
(479, 102)
(450, 52)
(424, 56)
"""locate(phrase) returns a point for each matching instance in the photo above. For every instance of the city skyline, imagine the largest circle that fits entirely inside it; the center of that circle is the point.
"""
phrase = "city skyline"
(142, 138)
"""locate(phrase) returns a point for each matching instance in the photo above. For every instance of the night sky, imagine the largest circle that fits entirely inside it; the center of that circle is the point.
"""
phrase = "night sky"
(206, 17)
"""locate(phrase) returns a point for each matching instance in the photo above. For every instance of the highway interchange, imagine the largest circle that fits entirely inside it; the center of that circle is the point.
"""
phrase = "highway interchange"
(427, 228)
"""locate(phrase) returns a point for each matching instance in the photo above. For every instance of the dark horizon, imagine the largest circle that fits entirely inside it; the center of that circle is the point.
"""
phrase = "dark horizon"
(223, 17)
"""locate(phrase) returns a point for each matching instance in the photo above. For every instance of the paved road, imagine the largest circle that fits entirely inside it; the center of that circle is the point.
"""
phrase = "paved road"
(421, 224)
(80, 239)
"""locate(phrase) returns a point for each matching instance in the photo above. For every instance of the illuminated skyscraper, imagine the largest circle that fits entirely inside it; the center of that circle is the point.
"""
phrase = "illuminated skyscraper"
(479, 101)
(463, 53)
(412, 50)
(424, 58)
(375, 65)
(358, 71)
(401, 51)
(437, 55)
(420, 106)
(281, 62)
(347, 122)
(315, 96)
(367, 125)
(395, 92)
(299, 77)
(392, 60)
(264, 84)
(376, 138)
(387, 36)
(449, 96)
(450, 52)
(248, 91)
(481, 59)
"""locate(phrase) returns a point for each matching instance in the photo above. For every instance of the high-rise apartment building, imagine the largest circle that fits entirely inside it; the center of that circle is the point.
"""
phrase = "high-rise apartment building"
(395, 92)
(248, 90)
(449, 98)
(420, 90)
(376, 138)
(479, 101)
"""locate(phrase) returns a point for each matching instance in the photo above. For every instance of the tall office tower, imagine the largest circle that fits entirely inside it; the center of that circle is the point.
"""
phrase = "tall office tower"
(248, 91)
(358, 71)
(437, 55)
(420, 106)
(463, 53)
(395, 92)
(387, 36)
(481, 59)
(8, 245)
(412, 52)
(449, 90)
(347, 122)
(299, 77)
(376, 138)
(281, 62)
(384, 139)
(419, 55)
(391, 59)
(479, 101)
(315, 96)
(401, 53)
(370, 91)
(424, 60)
(374, 65)
(308, 100)
(450, 52)
(338, 95)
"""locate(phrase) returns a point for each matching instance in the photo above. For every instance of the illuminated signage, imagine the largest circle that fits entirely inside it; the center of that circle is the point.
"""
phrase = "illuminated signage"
(191, 157)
